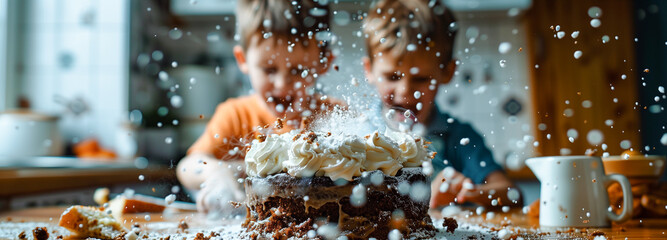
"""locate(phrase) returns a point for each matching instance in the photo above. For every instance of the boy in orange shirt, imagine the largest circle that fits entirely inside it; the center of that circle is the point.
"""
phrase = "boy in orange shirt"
(410, 44)
(282, 57)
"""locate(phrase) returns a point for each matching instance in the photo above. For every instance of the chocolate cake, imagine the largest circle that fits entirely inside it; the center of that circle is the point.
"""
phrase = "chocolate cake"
(291, 206)
(321, 185)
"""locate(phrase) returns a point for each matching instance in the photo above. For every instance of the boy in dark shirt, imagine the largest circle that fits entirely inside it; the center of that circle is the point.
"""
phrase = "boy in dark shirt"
(409, 54)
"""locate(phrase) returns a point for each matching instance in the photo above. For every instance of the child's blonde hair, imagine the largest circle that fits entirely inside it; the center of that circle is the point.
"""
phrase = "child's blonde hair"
(294, 20)
(399, 26)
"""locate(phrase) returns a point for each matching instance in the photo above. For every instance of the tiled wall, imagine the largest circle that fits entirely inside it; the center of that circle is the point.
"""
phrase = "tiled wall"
(487, 95)
(76, 49)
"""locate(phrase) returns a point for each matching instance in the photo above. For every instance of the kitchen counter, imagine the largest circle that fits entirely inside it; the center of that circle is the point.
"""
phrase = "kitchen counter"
(39, 175)
(479, 227)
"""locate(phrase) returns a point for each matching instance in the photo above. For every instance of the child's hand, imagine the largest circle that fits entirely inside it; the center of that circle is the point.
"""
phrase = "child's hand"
(451, 186)
(219, 190)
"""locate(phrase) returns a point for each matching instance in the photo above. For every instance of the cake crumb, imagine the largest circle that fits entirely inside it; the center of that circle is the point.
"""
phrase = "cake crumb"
(182, 225)
(213, 234)
(236, 204)
(311, 137)
(261, 137)
(450, 224)
(200, 236)
(279, 123)
(40, 233)
(22, 235)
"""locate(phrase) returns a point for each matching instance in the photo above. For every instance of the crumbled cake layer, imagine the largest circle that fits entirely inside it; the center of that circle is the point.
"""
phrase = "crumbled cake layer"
(290, 206)
(90, 222)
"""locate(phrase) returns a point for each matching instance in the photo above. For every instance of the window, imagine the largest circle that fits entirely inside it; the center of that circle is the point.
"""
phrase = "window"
(59, 54)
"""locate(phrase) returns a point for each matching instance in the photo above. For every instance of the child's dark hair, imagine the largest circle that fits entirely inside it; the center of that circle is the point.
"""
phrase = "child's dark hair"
(393, 25)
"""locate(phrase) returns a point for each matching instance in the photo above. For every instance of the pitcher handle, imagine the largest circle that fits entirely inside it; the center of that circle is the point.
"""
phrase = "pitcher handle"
(627, 197)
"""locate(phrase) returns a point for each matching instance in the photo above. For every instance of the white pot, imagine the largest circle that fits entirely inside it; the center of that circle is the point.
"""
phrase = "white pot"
(25, 133)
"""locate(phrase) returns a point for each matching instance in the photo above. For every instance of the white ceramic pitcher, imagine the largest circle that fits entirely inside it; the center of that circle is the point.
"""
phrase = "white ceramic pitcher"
(574, 192)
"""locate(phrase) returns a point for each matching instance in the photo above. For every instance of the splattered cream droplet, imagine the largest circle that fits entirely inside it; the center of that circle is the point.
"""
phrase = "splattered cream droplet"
(504, 47)
(560, 34)
(596, 23)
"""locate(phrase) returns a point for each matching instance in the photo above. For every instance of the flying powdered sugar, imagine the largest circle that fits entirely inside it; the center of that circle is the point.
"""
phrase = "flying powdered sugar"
(347, 122)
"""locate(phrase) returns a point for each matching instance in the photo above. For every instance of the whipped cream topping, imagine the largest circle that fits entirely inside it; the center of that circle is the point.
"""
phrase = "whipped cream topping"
(266, 157)
(339, 156)
(346, 160)
(414, 151)
(383, 154)
(305, 158)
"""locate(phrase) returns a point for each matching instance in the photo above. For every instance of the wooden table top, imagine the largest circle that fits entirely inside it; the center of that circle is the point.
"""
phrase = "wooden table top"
(514, 221)
(652, 228)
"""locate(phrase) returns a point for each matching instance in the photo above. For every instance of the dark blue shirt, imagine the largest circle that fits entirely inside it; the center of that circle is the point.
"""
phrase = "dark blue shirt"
(473, 159)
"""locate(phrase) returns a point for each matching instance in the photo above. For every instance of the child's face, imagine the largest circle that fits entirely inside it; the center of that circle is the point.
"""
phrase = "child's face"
(277, 73)
(409, 81)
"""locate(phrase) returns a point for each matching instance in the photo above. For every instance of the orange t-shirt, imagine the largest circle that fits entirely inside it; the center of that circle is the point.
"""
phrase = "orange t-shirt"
(234, 119)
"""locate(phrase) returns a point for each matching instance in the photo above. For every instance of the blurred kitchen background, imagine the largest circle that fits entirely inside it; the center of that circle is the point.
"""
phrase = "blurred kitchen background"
(136, 82)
